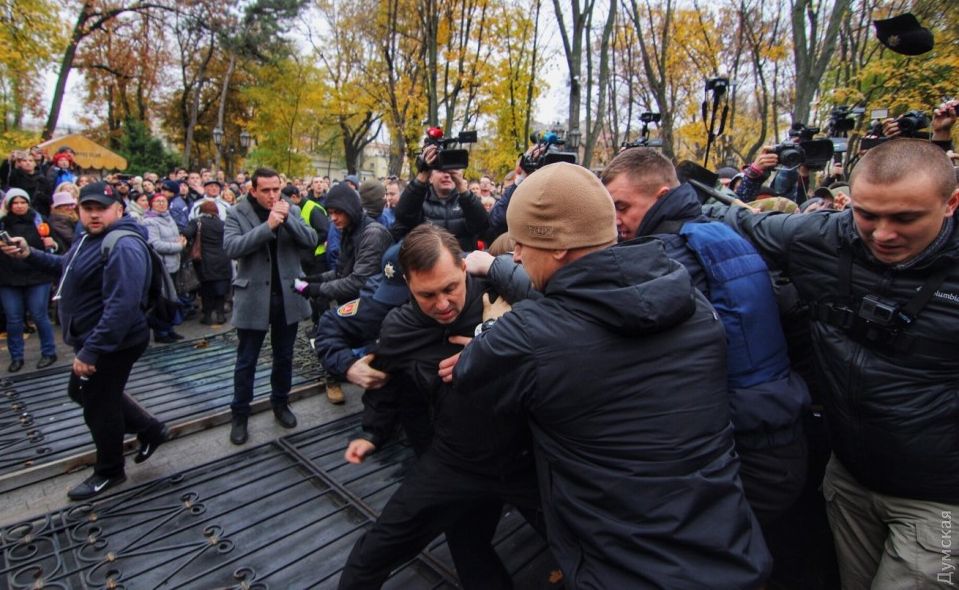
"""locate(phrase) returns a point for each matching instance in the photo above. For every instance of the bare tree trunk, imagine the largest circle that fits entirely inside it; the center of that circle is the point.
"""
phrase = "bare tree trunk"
(594, 132)
(811, 50)
(221, 112)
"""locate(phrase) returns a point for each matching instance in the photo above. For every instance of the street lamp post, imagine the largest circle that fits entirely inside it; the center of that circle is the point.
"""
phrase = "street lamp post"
(218, 142)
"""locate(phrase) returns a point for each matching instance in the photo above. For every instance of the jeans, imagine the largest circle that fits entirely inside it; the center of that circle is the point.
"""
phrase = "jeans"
(34, 298)
(283, 337)
(109, 412)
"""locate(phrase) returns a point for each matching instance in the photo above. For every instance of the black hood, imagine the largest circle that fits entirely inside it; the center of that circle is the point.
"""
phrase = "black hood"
(346, 200)
(631, 288)
(680, 204)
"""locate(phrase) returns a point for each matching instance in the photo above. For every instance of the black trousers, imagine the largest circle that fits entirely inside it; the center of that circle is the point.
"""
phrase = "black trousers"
(109, 412)
(435, 498)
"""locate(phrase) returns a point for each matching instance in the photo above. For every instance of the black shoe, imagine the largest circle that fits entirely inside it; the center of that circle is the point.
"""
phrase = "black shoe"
(219, 318)
(207, 319)
(238, 430)
(94, 485)
(148, 448)
(15, 365)
(46, 361)
(168, 339)
(284, 415)
(176, 336)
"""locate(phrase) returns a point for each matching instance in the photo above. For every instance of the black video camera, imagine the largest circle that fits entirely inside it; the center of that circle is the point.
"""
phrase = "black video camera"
(842, 120)
(803, 132)
(815, 154)
(552, 153)
(717, 85)
(646, 119)
(446, 158)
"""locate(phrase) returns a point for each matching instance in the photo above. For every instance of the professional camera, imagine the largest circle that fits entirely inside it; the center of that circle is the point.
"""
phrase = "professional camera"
(646, 119)
(911, 124)
(842, 120)
(717, 85)
(449, 159)
(550, 152)
(814, 154)
(803, 132)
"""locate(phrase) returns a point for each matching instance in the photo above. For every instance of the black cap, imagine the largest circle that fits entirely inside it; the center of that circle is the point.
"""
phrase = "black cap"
(213, 181)
(100, 192)
(170, 185)
(290, 190)
(903, 34)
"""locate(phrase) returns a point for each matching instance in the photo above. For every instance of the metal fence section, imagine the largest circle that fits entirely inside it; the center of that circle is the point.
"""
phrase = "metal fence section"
(282, 515)
(188, 385)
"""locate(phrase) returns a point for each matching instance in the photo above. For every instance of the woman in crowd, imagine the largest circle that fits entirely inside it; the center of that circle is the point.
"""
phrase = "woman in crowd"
(22, 287)
(167, 241)
(63, 218)
(137, 206)
(215, 269)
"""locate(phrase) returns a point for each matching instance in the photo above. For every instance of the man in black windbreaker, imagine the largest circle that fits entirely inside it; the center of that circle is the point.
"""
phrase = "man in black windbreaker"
(883, 283)
(620, 371)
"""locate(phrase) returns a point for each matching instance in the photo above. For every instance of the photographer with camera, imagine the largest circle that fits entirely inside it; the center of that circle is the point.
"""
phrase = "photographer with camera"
(906, 125)
(756, 174)
(440, 197)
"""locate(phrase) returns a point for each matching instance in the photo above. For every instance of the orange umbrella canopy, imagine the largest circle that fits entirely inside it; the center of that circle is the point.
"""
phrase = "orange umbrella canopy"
(88, 153)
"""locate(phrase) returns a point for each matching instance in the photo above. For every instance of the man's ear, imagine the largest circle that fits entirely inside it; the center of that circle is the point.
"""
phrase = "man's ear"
(559, 255)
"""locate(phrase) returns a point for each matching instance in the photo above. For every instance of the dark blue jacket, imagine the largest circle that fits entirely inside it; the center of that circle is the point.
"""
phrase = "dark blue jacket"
(619, 372)
(767, 398)
(101, 302)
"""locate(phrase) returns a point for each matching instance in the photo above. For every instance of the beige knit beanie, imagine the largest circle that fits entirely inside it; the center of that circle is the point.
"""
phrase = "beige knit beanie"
(561, 207)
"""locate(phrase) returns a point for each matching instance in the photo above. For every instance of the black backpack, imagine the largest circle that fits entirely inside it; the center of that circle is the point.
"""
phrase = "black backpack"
(162, 301)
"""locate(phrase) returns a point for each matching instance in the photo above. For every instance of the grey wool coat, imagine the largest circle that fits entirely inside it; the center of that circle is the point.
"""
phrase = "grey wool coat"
(246, 239)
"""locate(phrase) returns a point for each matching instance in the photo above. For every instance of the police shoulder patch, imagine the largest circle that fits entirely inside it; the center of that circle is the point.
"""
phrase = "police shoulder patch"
(348, 309)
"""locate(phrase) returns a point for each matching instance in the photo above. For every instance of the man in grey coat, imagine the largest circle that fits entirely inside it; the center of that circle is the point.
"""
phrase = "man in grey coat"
(264, 234)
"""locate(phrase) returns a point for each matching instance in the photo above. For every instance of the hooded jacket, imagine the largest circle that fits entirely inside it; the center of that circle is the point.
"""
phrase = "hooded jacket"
(101, 304)
(892, 416)
(618, 369)
(20, 273)
(362, 245)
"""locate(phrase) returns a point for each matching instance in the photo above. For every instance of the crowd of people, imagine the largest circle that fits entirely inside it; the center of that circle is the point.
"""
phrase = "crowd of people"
(636, 361)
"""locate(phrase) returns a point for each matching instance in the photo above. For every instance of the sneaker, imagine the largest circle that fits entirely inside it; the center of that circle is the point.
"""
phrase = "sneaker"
(334, 393)
(284, 415)
(94, 485)
(46, 361)
(148, 448)
(15, 365)
(238, 430)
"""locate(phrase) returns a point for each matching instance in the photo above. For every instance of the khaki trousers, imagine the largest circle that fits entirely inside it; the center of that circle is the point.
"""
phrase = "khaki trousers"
(889, 543)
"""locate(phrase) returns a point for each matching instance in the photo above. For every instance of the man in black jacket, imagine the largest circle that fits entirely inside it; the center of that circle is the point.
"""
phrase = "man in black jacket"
(441, 197)
(619, 370)
(883, 282)
(475, 462)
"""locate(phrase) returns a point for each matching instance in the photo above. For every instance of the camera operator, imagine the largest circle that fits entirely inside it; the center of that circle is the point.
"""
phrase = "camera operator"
(943, 118)
(440, 197)
(786, 181)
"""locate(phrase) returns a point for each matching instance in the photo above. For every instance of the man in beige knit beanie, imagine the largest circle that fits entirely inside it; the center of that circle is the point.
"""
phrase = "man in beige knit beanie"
(620, 370)
(557, 216)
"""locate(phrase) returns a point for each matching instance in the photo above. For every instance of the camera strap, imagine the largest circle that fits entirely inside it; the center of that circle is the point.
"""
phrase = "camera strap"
(845, 313)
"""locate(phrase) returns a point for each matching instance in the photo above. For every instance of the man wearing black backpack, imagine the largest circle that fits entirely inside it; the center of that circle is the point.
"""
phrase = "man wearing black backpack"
(102, 301)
